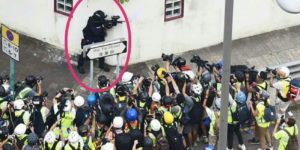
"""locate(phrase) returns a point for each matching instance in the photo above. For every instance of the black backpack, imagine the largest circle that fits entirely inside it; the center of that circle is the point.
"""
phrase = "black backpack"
(270, 114)
(20, 142)
(293, 141)
(242, 114)
(123, 141)
(174, 138)
(19, 119)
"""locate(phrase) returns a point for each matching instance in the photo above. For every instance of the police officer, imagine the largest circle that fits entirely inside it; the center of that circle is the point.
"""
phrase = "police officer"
(95, 31)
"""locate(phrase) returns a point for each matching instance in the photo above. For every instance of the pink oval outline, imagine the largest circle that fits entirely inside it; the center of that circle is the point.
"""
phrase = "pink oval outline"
(68, 57)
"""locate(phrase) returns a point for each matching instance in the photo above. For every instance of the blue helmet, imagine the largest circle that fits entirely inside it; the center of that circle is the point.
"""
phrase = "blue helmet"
(241, 97)
(131, 114)
(91, 100)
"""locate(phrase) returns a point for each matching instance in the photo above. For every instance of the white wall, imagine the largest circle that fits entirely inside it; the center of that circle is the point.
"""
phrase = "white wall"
(201, 26)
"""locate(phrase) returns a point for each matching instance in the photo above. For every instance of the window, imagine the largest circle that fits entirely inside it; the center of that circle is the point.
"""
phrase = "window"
(63, 6)
(173, 9)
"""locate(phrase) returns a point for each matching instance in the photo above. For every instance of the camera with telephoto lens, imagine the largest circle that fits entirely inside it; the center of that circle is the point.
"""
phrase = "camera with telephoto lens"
(273, 71)
(155, 67)
(197, 60)
(167, 57)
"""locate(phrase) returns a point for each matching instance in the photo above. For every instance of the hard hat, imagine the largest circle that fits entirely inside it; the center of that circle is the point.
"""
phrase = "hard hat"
(168, 118)
(131, 114)
(197, 88)
(148, 143)
(107, 146)
(206, 77)
(32, 139)
(79, 101)
(161, 72)
(156, 97)
(102, 81)
(155, 125)
(73, 137)
(20, 129)
(240, 76)
(30, 80)
(118, 122)
(127, 76)
(167, 100)
(19, 104)
(241, 97)
(290, 6)
(175, 110)
(210, 147)
(143, 96)
(189, 73)
(68, 106)
(284, 71)
(264, 95)
(83, 129)
(179, 62)
(99, 14)
(121, 90)
(50, 137)
(2, 91)
(91, 100)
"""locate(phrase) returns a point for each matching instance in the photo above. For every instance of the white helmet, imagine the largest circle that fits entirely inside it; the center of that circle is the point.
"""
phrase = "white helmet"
(20, 129)
(197, 88)
(68, 106)
(190, 73)
(73, 137)
(285, 71)
(118, 122)
(127, 76)
(79, 101)
(156, 97)
(291, 6)
(107, 146)
(155, 125)
(19, 104)
(50, 137)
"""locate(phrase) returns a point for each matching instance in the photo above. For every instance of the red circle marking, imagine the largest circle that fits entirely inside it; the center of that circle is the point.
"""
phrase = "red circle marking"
(68, 57)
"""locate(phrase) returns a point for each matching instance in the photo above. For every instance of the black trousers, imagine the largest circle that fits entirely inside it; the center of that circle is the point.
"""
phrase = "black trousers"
(234, 128)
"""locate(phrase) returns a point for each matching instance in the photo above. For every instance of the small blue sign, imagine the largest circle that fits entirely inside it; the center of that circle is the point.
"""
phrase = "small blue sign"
(9, 35)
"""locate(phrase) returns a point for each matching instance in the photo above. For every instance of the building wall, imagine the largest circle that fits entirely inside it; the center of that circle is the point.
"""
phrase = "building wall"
(201, 26)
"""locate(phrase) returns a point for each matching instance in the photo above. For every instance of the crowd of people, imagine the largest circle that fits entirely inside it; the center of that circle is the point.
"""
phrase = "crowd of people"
(175, 109)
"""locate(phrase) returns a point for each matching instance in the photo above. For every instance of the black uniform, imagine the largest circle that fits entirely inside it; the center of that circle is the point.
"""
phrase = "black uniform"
(95, 31)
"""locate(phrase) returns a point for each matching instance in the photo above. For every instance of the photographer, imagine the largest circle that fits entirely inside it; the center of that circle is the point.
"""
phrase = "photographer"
(63, 109)
(286, 134)
(94, 32)
(282, 88)
(26, 90)
(20, 115)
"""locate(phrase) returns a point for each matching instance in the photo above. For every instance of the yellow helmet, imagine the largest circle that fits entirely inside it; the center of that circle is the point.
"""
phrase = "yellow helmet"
(161, 72)
(168, 118)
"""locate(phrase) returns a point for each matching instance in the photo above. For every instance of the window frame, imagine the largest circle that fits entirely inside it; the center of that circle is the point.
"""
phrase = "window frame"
(174, 17)
(60, 11)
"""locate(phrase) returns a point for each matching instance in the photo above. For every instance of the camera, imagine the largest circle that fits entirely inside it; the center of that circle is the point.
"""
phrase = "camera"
(273, 71)
(197, 60)
(167, 57)
(155, 67)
